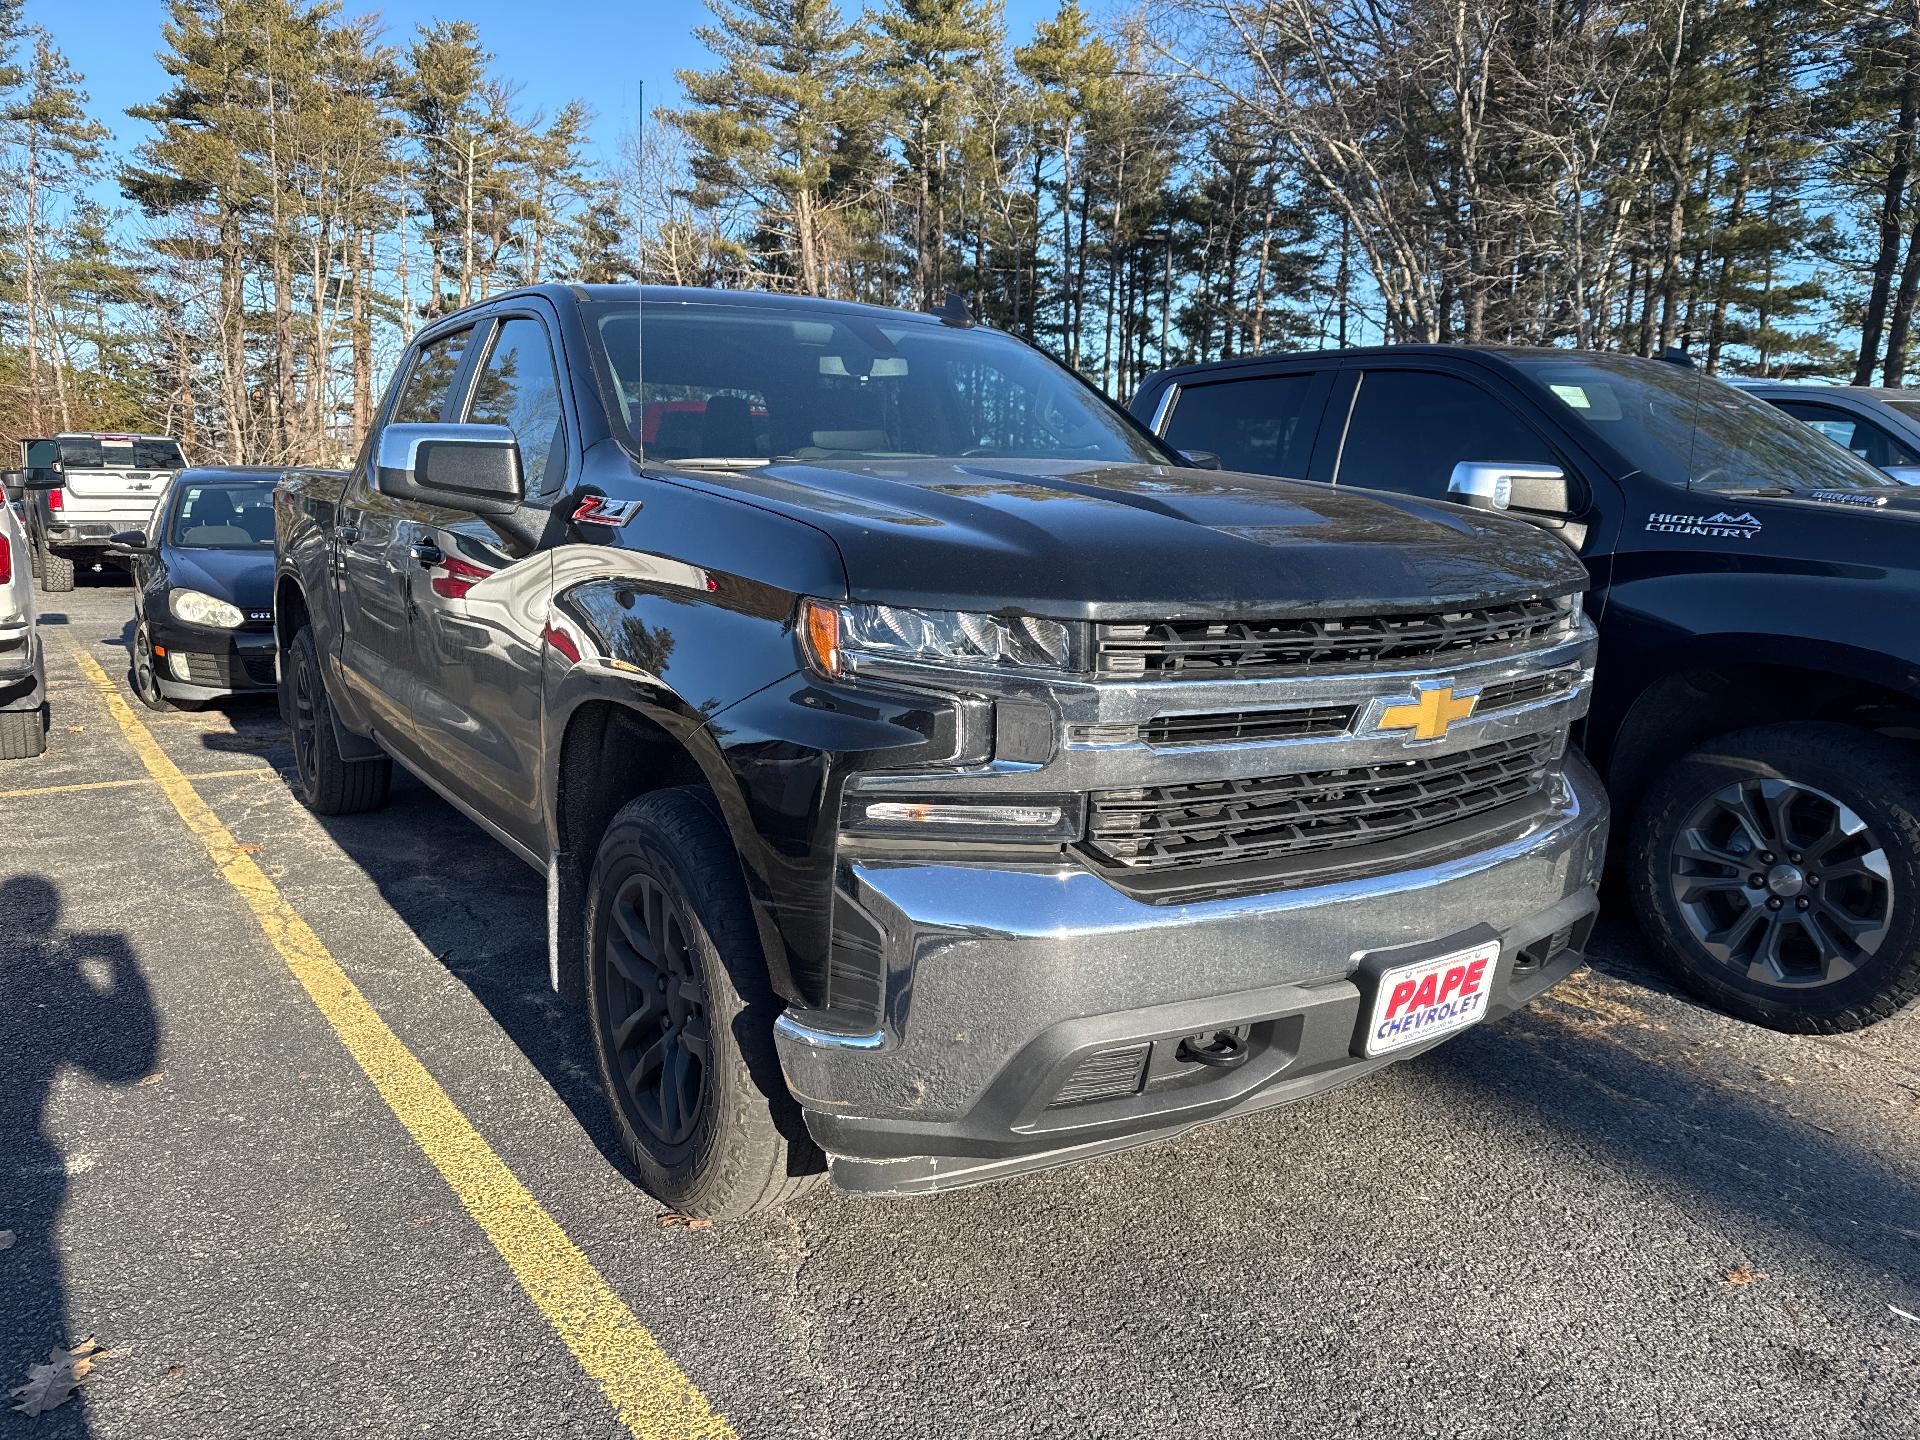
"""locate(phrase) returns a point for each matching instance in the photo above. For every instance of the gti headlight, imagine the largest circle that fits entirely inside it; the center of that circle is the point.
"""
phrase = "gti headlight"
(836, 636)
(197, 609)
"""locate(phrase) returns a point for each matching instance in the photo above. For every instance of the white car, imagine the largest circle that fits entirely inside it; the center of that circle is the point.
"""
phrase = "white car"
(23, 675)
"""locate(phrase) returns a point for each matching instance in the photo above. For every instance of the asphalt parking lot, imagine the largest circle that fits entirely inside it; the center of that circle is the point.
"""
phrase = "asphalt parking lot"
(1617, 1214)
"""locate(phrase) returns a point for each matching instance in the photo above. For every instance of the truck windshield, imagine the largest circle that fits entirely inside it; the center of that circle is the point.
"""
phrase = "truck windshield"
(723, 384)
(1685, 427)
(119, 452)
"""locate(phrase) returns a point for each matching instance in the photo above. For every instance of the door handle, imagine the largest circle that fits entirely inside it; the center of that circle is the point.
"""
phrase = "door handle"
(426, 553)
(347, 534)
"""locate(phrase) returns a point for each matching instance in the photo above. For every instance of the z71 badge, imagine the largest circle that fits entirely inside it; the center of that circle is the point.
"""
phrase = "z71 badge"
(599, 510)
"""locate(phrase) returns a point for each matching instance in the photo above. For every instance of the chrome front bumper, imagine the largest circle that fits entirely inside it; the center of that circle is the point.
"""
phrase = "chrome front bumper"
(1001, 983)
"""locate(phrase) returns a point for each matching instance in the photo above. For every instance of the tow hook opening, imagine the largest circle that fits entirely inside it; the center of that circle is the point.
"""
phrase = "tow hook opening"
(1220, 1049)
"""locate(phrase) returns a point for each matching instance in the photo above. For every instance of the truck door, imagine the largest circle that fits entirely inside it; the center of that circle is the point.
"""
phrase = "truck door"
(481, 612)
(378, 576)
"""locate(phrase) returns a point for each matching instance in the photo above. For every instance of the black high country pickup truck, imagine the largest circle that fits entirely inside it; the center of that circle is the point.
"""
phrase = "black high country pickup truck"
(926, 763)
(1754, 586)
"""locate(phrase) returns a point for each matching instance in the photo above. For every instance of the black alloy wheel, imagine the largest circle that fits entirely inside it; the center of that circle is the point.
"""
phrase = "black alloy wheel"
(656, 1010)
(1777, 871)
(1782, 883)
(144, 672)
(303, 720)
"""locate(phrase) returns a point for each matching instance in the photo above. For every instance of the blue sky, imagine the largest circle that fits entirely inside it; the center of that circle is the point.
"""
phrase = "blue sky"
(597, 50)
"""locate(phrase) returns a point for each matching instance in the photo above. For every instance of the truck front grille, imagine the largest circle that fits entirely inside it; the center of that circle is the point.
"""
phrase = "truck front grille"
(1231, 822)
(1202, 650)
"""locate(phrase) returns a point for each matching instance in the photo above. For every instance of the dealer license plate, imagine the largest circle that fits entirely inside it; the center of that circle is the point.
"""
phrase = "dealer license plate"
(1430, 998)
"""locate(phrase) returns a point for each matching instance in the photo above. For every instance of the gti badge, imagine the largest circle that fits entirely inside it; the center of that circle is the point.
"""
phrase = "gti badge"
(599, 510)
(1424, 715)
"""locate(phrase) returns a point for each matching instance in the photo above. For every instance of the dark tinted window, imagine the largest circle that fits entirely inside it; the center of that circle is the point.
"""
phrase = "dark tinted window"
(1683, 426)
(733, 382)
(518, 388)
(1258, 424)
(119, 452)
(1850, 432)
(425, 392)
(1409, 428)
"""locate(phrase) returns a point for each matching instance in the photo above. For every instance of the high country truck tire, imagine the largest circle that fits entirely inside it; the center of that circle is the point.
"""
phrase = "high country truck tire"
(326, 782)
(1778, 870)
(681, 1015)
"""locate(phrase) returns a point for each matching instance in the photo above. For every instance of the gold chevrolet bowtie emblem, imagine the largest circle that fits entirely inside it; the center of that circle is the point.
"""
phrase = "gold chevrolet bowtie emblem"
(1429, 713)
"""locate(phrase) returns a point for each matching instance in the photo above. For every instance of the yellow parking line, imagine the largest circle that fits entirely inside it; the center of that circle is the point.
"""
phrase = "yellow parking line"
(651, 1395)
(138, 780)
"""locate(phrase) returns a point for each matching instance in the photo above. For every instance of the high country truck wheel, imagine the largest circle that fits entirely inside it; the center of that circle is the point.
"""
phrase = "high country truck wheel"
(1778, 869)
(681, 1014)
(326, 782)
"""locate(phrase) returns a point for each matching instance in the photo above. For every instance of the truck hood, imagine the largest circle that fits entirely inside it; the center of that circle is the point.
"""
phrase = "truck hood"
(1119, 542)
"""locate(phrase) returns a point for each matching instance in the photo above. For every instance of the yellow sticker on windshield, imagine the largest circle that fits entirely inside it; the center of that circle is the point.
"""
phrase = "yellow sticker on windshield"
(1574, 395)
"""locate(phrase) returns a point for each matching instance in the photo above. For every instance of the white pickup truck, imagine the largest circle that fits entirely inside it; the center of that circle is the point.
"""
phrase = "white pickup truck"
(102, 484)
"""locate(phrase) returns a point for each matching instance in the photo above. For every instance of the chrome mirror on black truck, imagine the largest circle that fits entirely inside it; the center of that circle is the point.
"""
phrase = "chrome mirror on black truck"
(1487, 486)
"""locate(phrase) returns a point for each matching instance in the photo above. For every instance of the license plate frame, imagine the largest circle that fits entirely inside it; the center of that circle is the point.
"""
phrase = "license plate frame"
(1387, 1002)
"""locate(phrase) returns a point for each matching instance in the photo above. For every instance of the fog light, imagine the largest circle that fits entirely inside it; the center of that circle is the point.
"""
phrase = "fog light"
(177, 663)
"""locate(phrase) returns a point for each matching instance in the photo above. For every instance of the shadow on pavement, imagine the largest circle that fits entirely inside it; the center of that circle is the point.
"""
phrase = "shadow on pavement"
(67, 999)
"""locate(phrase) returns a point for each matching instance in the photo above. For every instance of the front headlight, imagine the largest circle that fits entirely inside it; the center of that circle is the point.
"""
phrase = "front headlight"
(836, 636)
(197, 609)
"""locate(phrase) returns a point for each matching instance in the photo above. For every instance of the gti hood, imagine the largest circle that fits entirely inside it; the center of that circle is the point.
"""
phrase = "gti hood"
(1148, 541)
(240, 577)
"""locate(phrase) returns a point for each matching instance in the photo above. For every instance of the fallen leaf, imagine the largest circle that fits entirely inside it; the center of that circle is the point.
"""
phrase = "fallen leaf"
(174, 1372)
(53, 1384)
(76, 729)
(154, 1079)
(248, 849)
(673, 1220)
(6, 1239)
(1743, 1274)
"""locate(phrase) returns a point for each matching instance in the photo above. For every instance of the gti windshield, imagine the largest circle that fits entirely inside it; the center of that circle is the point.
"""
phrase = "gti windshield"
(1683, 426)
(223, 515)
(741, 383)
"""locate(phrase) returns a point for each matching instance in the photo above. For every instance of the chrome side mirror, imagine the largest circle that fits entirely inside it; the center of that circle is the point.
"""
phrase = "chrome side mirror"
(472, 468)
(1488, 486)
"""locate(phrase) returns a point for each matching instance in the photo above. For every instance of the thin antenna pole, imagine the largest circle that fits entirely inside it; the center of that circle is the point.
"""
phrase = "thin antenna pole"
(640, 267)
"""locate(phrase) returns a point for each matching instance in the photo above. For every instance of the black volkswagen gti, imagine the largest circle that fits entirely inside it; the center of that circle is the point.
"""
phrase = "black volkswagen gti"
(1754, 585)
(203, 589)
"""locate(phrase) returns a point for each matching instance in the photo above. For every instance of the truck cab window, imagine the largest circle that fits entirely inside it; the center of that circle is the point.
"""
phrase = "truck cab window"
(1257, 424)
(517, 388)
(425, 393)
(1409, 428)
(1850, 432)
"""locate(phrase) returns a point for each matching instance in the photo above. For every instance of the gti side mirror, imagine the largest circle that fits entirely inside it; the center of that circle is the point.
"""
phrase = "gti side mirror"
(1201, 459)
(131, 542)
(472, 468)
(1905, 474)
(1485, 486)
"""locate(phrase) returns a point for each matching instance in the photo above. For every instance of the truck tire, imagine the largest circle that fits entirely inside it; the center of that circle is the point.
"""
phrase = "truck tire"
(681, 1014)
(23, 733)
(326, 782)
(56, 570)
(1778, 870)
(35, 563)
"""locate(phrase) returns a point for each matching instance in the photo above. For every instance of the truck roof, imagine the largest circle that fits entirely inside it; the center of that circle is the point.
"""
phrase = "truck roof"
(1368, 352)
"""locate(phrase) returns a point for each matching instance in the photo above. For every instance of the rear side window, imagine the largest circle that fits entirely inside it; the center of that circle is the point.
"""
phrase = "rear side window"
(1850, 432)
(519, 389)
(1259, 424)
(424, 395)
(1409, 428)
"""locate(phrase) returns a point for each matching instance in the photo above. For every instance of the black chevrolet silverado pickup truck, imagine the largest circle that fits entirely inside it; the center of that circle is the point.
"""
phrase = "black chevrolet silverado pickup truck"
(927, 764)
(1754, 588)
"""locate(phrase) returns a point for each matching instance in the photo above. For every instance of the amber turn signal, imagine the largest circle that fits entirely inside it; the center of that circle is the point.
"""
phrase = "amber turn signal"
(820, 629)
